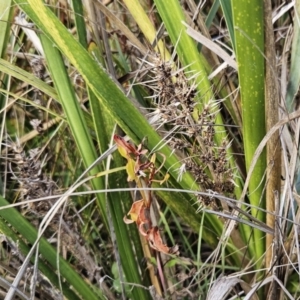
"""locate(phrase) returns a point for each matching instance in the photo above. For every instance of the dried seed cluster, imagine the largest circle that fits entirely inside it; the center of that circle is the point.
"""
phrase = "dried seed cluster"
(27, 170)
(194, 130)
(173, 95)
(39, 70)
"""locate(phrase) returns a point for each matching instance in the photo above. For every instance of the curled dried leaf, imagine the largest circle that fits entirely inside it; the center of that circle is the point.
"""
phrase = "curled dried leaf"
(140, 214)
(135, 210)
(155, 242)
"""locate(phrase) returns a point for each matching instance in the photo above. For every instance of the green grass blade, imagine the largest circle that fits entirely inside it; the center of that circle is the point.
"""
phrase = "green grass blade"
(80, 22)
(227, 10)
(249, 39)
(68, 99)
(29, 78)
(74, 115)
(5, 18)
(212, 13)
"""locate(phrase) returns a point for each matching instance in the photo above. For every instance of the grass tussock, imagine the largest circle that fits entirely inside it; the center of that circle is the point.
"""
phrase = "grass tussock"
(149, 150)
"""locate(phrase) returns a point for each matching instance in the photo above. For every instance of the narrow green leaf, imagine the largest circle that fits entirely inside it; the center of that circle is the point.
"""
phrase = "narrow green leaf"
(227, 10)
(249, 38)
(29, 78)
(212, 13)
(6, 12)
(74, 116)
(80, 22)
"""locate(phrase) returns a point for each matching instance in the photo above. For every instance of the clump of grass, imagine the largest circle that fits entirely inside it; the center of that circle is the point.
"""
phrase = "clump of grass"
(70, 104)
